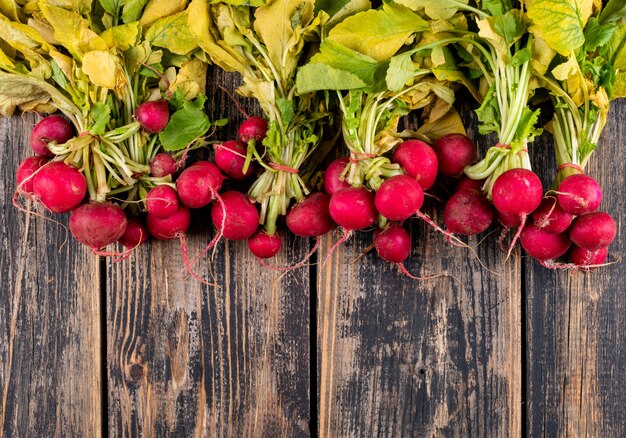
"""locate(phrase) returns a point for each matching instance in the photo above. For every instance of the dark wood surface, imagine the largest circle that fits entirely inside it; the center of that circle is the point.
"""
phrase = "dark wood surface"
(345, 349)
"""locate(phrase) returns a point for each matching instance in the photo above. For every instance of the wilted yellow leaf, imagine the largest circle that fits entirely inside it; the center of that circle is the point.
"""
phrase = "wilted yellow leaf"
(103, 68)
(13, 94)
(191, 79)
(450, 123)
(122, 37)
(156, 9)
(11, 10)
(173, 33)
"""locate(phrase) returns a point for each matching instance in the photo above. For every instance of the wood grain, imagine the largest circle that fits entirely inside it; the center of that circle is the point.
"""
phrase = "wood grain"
(187, 359)
(576, 352)
(50, 356)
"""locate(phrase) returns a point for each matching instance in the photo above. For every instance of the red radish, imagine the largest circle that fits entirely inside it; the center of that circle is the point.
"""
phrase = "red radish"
(551, 217)
(542, 245)
(255, 128)
(468, 212)
(393, 243)
(24, 174)
(230, 157)
(311, 216)
(418, 160)
(162, 201)
(509, 220)
(454, 153)
(579, 194)
(517, 192)
(399, 198)
(98, 224)
(332, 177)
(353, 208)
(153, 116)
(171, 227)
(59, 187)
(583, 257)
(241, 219)
(52, 128)
(263, 245)
(198, 185)
(593, 231)
(136, 233)
(163, 164)
(467, 183)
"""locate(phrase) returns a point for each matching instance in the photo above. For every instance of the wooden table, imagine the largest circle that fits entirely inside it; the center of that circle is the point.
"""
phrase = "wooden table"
(89, 347)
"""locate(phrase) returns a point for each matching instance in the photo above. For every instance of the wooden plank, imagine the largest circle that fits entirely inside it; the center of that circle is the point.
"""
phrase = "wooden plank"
(192, 360)
(50, 360)
(398, 357)
(576, 356)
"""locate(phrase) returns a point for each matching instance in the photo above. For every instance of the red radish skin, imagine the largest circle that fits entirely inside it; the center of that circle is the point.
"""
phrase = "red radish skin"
(153, 116)
(551, 217)
(517, 192)
(52, 128)
(170, 228)
(468, 212)
(419, 161)
(353, 208)
(163, 164)
(135, 234)
(466, 183)
(162, 201)
(579, 194)
(509, 220)
(584, 258)
(255, 128)
(454, 153)
(311, 216)
(399, 198)
(242, 217)
(24, 175)
(393, 243)
(263, 245)
(542, 245)
(230, 157)
(332, 177)
(59, 187)
(98, 224)
(593, 231)
(198, 185)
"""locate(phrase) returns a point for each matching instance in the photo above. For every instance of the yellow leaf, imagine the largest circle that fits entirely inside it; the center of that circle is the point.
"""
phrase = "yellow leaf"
(11, 10)
(14, 94)
(173, 33)
(5, 61)
(156, 9)
(103, 68)
(44, 29)
(543, 55)
(564, 71)
(619, 89)
(122, 37)
(65, 63)
(191, 79)
(450, 123)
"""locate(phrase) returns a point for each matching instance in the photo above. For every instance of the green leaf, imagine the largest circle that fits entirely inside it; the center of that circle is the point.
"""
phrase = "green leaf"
(489, 114)
(571, 16)
(521, 57)
(172, 33)
(331, 7)
(185, 126)
(613, 11)
(132, 10)
(378, 34)
(401, 70)
(527, 127)
(313, 77)
(509, 27)
(58, 76)
(111, 6)
(597, 35)
(497, 7)
(101, 116)
(287, 109)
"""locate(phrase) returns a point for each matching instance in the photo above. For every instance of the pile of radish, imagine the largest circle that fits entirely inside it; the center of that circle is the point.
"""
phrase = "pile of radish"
(117, 156)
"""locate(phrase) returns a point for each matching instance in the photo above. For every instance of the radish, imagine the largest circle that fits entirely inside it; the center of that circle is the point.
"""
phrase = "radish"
(163, 164)
(172, 227)
(241, 218)
(230, 157)
(467, 183)
(517, 192)
(59, 187)
(52, 128)
(399, 198)
(153, 116)
(162, 201)
(25, 171)
(135, 234)
(551, 217)
(311, 216)
(333, 179)
(579, 194)
(468, 212)
(255, 128)
(540, 244)
(593, 231)
(585, 258)
(393, 243)
(263, 245)
(199, 184)
(418, 160)
(354, 208)
(98, 224)
(509, 220)
(454, 153)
